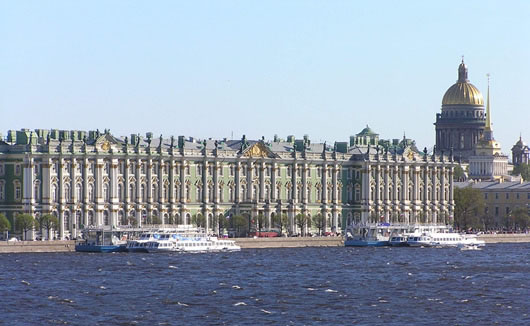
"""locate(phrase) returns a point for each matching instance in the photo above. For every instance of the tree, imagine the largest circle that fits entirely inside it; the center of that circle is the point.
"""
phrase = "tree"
(459, 174)
(281, 221)
(520, 218)
(469, 203)
(221, 223)
(5, 226)
(24, 223)
(238, 221)
(260, 221)
(522, 169)
(198, 220)
(302, 221)
(156, 220)
(48, 222)
(133, 221)
(319, 222)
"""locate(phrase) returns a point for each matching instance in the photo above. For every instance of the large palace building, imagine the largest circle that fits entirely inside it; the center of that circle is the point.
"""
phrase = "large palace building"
(96, 179)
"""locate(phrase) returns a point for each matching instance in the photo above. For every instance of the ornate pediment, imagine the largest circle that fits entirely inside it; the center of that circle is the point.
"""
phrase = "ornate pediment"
(258, 150)
(106, 141)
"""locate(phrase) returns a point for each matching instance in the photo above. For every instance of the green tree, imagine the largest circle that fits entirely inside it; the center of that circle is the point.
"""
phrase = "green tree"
(156, 220)
(221, 223)
(24, 223)
(198, 220)
(301, 221)
(281, 221)
(469, 203)
(48, 222)
(260, 219)
(132, 221)
(522, 169)
(319, 222)
(5, 225)
(459, 174)
(519, 218)
(239, 221)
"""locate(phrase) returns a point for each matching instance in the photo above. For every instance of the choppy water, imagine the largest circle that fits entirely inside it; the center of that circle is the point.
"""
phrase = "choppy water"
(299, 286)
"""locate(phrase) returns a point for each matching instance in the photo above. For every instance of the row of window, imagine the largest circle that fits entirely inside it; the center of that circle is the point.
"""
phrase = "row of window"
(199, 169)
(517, 195)
(18, 169)
(507, 210)
(280, 192)
(17, 186)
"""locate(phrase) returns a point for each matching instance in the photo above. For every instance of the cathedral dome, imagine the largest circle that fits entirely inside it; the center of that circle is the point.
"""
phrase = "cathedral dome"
(463, 92)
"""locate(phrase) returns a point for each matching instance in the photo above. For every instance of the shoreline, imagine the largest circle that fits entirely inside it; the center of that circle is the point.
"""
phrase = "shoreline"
(245, 243)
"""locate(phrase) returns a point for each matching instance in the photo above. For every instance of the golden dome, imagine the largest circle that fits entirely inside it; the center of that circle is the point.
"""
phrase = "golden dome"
(463, 92)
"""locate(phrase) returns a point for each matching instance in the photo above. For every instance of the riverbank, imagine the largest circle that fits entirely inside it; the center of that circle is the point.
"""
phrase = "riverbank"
(37, 246)
(505, 238)
(245, 243)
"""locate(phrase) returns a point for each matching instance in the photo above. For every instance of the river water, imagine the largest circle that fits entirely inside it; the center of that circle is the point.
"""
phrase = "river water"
(295, 286)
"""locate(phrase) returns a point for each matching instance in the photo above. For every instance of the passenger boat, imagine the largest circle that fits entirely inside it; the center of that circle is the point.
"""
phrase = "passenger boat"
(140, 244)
(440, 236)
(368, 235)
(398, 240)
(102, 240)
(175, 242)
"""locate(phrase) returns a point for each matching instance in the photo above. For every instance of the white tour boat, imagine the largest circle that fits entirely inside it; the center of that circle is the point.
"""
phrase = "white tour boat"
(175, 242)
(440, 236)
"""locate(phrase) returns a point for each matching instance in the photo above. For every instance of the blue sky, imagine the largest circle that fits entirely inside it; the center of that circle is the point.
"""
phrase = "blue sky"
(217, 68)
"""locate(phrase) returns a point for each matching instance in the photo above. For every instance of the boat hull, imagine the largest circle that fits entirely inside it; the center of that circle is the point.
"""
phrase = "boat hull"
(99, 248)
(365, 243)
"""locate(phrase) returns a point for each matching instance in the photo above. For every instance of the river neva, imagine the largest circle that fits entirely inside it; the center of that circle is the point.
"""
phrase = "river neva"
(298, 286)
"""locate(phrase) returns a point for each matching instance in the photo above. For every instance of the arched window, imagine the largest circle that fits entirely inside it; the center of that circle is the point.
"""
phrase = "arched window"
(91, 218)
(177, 192)
(166, 192)
(267, 192)
(121, 218)
(79, 192)
(120, 192)
(155, 192)
(243, 192)
(66, 220)
(67, 193)
(299, 193)
(132, 192)
(54, 194)
(143, 193)
(210, 193)
(106, 192)
(188, 193)
(199, 193)
(309, 194)
(91, 194)
(231, 193)
(79, 219)
(106, 220)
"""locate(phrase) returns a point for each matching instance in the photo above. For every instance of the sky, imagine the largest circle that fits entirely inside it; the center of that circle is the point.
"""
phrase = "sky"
(216, 69)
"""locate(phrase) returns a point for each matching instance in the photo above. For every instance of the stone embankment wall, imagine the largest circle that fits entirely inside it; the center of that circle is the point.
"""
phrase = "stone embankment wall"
(282, 242)
(505, 238)
(245, 243)
(37, 246)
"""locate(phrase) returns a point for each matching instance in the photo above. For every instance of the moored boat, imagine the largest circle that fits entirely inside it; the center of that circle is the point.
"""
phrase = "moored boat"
(102, 240)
